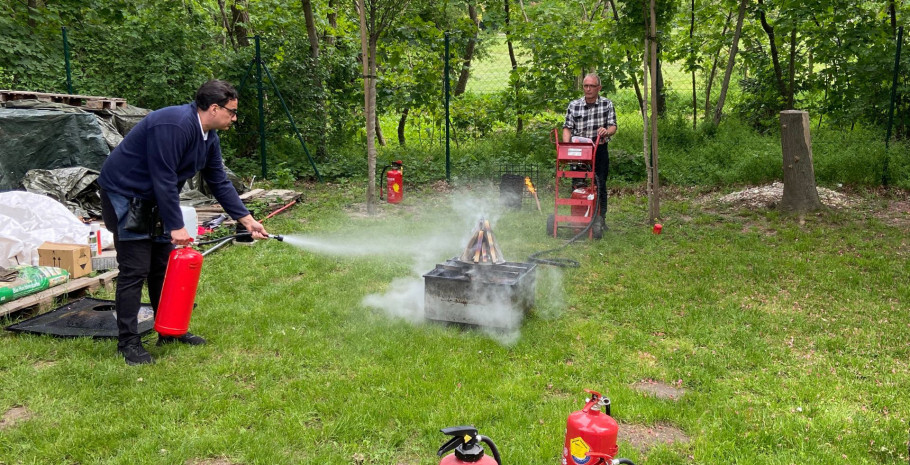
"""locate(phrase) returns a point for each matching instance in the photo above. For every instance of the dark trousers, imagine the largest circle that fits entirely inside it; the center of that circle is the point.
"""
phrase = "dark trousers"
(601, 171)
(139, 261)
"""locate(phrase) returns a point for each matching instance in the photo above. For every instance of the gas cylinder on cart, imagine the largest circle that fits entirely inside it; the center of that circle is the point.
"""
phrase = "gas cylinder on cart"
(178, 294)
(394, 182)
(583, 193)
(465, 442)
(591, 433)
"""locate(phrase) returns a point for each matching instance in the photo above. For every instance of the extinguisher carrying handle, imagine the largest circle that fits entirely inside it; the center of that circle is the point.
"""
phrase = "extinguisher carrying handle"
(458, 433)
(493, 449)
(597, 401)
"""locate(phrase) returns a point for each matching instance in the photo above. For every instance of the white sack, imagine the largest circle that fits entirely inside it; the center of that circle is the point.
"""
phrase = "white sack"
(27, 220)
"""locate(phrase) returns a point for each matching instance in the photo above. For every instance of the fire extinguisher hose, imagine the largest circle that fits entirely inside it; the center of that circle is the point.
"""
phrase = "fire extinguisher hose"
(567, 262)
(277, 237)
(493, 448)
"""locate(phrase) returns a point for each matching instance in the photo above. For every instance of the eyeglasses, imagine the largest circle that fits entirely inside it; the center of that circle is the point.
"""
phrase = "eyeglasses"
(590, 86)
(232, 110)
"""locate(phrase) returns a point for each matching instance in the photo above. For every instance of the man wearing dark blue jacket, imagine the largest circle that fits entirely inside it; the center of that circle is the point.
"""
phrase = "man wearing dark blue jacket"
(140, 199)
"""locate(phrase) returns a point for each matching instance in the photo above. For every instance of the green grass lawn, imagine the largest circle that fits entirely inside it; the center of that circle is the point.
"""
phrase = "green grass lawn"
(789, 336)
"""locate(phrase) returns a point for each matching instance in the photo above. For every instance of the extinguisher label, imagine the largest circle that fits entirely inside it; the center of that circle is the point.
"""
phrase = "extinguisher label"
(579, 451)
(396, 187)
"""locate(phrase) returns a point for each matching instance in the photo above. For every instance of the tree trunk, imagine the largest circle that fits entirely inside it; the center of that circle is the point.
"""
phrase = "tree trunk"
(791, 89)
(316, 76)
(654, 203)
(694, 90)
(646, 146)
(369, 111)
(401, 125)
(379, 137)
(240, 18)
(468, 54)
(30, 10)
(521, 4)
(332, 18)
(629, 59)
(661, 91)
(307, 6)
(775, 58)
(710, 82)
(719, 110)
(519, 124)
(226, 25)
(800, 194)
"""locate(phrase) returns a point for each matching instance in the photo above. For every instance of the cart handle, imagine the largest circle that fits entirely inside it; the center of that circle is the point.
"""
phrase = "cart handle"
(554, 138)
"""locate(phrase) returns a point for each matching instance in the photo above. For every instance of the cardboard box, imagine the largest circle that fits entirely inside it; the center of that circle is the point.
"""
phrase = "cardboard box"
(75, 258)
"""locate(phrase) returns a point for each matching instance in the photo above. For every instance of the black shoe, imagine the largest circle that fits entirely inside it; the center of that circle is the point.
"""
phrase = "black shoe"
(188, 338)
(135, 354)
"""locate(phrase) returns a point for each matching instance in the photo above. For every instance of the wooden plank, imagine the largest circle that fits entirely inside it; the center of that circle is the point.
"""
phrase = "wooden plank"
(251, 194)
(45, 298)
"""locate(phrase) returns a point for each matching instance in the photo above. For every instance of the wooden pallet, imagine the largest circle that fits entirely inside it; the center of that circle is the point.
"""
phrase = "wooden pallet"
(90, 102)
(44, 300)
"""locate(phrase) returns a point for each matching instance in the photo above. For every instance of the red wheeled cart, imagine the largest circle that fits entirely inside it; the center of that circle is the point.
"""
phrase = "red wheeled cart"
(575, 161)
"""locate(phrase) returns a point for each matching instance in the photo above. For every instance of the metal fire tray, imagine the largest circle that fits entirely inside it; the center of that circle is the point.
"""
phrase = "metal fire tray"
(489, 295)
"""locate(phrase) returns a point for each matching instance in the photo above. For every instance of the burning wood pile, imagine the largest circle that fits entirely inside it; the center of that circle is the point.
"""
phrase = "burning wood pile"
(479, 287)
(482, 247)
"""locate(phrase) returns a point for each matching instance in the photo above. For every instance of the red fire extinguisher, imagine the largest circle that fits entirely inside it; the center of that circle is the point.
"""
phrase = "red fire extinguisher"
(583, 193)
(591, 434)
(467, 450)
(393, 177)
(181, 279)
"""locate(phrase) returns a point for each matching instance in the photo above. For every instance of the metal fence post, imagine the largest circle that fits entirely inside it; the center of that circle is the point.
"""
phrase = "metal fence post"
(897, 65)
(66, 57)
(261, 110)
(446, 72)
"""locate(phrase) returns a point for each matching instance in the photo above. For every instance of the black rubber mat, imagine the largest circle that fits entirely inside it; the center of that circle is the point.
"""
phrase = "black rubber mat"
(84, 317)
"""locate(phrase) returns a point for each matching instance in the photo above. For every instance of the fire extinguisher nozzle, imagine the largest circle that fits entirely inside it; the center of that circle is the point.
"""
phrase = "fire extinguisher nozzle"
(277, 237)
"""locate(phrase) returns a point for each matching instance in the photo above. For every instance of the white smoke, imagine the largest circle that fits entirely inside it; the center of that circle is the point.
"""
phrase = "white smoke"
(404, 298)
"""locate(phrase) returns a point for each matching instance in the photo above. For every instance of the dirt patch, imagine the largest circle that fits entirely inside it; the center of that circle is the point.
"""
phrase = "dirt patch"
(896, 213)
(213, 461)
(659, 390)
(13, 416)
(644, 437)
(42, 364)
(770, 195)
(383, 209)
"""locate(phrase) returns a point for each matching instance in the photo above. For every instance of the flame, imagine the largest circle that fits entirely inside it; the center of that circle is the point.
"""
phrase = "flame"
(530, 186)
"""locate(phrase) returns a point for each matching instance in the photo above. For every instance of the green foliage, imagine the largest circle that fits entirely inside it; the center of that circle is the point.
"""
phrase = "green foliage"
(157, 53)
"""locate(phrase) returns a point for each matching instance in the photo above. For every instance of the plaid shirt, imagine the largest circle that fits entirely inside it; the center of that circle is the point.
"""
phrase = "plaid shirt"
(583, 119)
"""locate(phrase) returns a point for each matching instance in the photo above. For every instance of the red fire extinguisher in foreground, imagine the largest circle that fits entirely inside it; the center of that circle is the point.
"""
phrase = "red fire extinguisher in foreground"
(467, 450)
(591, 434)
(178, 294)
(393, 177)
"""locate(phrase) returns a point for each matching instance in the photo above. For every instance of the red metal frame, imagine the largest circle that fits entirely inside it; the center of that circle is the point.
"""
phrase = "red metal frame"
(568, 153)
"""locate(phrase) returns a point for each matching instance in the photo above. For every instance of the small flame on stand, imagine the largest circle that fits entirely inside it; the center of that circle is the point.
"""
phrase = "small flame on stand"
(482, 248)
(533, 192)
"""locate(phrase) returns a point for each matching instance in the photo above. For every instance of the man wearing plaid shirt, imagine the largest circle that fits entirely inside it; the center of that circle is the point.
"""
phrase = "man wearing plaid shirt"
(588, 118)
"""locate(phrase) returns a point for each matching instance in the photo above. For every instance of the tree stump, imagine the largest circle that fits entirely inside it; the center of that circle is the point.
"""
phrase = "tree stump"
(800, 195)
